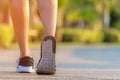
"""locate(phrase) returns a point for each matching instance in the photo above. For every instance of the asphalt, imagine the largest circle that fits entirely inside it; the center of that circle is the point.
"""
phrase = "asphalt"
(73, 63)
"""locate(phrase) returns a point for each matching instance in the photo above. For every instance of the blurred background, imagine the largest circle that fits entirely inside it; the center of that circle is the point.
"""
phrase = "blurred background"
(79, 22)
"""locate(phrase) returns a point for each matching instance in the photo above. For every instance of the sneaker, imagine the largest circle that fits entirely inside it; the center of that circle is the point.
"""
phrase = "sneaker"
(25, 65)
(46, 64)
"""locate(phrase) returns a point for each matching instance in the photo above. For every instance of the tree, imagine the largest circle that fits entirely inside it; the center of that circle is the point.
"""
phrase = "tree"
(77, 11)
(106, 12)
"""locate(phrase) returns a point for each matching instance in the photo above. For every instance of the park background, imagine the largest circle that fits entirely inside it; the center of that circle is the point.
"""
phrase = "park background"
(79, 22)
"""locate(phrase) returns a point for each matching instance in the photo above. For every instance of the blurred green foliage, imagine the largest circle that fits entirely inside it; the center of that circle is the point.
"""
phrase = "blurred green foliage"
(77, 11)
(89, 36)
(6, 35)
(36, 32)
(82, 36)
(112, 36)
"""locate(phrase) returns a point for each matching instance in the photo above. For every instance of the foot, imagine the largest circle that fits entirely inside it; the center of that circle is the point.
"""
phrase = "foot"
(46, 64)
(25, 65)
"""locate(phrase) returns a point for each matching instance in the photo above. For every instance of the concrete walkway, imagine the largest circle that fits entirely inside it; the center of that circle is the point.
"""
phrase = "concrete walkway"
(73, 63)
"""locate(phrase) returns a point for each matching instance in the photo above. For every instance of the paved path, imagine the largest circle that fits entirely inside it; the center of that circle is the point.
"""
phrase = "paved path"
(73, 63)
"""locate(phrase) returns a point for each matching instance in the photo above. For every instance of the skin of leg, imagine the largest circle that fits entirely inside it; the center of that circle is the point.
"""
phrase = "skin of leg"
(20, 17)
(48, 14)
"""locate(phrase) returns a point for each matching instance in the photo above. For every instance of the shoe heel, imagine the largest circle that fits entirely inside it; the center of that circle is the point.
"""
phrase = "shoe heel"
(46, 64)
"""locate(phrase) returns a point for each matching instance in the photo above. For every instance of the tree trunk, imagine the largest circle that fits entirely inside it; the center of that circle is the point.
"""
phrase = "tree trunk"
(106, 18)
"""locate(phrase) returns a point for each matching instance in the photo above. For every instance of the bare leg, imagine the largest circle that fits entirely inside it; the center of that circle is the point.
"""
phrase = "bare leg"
(48, 13)
(20, 17)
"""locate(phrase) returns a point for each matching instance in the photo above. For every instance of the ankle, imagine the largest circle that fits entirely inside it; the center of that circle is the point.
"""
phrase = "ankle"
(49, 35)
(25, 55)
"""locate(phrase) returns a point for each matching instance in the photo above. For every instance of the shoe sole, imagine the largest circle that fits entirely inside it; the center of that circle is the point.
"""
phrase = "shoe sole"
(22, 69)
(46, 64)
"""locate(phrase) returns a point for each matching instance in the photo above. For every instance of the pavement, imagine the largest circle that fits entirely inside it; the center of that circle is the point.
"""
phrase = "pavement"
(73, 63)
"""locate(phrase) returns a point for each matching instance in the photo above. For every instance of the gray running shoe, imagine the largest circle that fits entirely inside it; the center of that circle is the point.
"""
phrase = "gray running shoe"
(46, 64)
